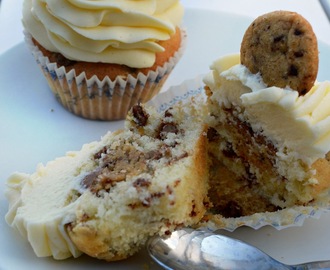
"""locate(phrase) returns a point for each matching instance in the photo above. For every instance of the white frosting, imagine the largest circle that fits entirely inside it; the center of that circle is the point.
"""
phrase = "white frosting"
(39, 207)
(300, 123)
(121, 32)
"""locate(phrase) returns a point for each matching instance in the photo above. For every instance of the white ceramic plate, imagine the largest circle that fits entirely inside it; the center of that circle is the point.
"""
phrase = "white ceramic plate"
(35, 128)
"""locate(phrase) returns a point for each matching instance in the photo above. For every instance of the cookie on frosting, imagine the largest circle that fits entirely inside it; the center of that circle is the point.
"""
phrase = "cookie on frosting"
(282, 46)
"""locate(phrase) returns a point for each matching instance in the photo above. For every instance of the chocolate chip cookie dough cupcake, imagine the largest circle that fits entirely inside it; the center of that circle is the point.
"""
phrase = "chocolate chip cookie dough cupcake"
(102, 58)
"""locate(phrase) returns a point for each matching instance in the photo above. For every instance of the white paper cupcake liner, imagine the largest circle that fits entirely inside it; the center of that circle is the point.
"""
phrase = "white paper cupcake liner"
(179, 93)
(102, 99)
(289, 217)
(286, 218)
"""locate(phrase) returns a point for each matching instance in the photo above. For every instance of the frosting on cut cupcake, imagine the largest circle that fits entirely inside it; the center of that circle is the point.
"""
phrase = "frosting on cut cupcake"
(296, 122)
(121, 32)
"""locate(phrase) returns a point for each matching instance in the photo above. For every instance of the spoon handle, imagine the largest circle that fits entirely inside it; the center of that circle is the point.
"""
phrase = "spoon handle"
(313, 265)
(202, 250)
(199, 250)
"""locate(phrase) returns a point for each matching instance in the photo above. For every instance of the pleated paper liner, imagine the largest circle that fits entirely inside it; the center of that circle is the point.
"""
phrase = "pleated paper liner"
(102, 99)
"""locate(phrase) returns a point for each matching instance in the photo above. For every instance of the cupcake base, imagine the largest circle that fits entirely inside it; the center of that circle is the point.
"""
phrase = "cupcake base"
(106, 99)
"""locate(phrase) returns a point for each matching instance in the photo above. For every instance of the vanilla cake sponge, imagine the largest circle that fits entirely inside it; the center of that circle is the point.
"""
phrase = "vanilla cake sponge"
(108, 198)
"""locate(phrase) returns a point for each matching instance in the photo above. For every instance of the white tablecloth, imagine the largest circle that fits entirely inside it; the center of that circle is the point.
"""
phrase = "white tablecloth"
(11, 28)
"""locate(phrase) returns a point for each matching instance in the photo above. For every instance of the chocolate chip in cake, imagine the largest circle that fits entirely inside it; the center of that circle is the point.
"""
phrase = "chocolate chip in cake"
(228, 151)
(99, 154)
(63, 61)
(212, 134)
(232, 209)
(89, 180)
(140, 115)
(168, 112)
(141, 183)
(193, 212)
(165, 128)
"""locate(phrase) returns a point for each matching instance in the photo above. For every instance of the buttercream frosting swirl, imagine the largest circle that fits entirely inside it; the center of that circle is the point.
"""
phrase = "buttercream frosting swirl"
(297, 122)
(110, 31)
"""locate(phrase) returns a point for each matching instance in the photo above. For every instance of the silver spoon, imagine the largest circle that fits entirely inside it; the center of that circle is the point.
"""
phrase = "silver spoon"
(195, 249)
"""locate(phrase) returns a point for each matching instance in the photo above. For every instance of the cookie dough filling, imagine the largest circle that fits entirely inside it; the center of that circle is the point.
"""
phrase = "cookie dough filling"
(234, 147)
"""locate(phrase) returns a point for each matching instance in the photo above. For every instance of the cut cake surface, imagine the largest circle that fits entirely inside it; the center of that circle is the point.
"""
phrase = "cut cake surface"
(109, 198)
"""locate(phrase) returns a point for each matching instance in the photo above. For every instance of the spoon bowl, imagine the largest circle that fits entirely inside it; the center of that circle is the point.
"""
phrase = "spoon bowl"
(198, 249)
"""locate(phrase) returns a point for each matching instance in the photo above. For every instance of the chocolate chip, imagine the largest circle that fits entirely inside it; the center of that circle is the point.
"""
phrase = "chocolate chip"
(89, 180)
(245, 128)
(228, 151)
(154, 154)
(232, 209)
(141, 182)
(250, 177)
(303, 91)
(166, 128)
(168, 113)
(193, 213)
(147, 201)
(280, 44)
(212, 135)
(293, 71)
(132, 70)
(140, 115)
(299, 54)
(63, 61)
(298, 32)
(278, 38)
(98, 155)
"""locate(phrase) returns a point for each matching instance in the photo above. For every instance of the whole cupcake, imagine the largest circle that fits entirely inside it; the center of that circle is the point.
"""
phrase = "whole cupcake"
(102, 57)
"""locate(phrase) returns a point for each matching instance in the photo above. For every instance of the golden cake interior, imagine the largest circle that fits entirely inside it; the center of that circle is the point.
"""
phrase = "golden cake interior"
(149, 179)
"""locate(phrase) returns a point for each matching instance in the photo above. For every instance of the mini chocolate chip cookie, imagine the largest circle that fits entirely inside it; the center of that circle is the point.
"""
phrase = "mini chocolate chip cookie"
(282, 46)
